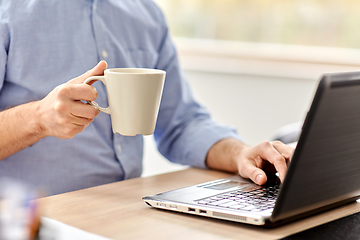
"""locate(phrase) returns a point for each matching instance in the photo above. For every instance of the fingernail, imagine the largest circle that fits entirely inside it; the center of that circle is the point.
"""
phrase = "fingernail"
(258, 178)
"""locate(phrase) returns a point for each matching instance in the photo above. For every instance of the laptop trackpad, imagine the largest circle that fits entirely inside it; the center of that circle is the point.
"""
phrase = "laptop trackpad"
(208, 189)
(243, 186)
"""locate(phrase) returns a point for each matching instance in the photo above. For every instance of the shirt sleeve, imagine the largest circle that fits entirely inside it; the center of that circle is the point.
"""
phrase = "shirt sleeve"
(4, 42)
(185, 130)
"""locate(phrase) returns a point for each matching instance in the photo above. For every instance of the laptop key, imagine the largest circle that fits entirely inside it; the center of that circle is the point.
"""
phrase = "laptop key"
(238, 206)
(216, 198)
(228, 204)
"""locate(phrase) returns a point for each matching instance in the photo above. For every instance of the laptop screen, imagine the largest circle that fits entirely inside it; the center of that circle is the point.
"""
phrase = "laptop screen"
(326, 164)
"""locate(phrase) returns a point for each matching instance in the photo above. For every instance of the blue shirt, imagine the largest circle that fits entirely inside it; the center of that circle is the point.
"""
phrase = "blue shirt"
(44, 43)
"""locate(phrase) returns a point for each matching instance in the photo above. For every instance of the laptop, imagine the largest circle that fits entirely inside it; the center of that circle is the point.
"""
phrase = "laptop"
(324, 172)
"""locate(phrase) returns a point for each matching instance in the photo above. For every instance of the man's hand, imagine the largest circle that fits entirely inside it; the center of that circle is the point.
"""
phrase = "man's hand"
(61, 113)
(269, 157)
(250, 162)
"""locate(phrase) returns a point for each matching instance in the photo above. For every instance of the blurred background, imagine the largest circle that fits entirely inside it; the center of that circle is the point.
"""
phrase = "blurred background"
(256, 64)
(333, 23)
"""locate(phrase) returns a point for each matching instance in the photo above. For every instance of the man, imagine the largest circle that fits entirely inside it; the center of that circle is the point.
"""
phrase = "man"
(52, 139)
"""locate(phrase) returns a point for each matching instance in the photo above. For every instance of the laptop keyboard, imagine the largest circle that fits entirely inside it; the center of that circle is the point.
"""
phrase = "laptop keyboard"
(261, 199)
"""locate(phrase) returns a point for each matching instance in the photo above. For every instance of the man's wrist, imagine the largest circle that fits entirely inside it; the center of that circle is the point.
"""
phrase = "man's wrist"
(20, 128)
(32, 119)
(224, 155)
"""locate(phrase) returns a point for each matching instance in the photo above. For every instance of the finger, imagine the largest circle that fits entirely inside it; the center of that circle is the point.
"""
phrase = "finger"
(98, 70)
(285, 150)
(77, 92)
(69, 120)
(83, 110)
(269, 153)
(80, 121)
(249, 170)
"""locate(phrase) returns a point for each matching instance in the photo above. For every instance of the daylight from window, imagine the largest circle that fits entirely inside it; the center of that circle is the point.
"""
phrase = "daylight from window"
(330, 23)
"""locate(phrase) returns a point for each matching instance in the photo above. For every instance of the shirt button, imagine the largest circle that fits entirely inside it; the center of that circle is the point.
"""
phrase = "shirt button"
(119, 148)
(104, 54)
(94, 7)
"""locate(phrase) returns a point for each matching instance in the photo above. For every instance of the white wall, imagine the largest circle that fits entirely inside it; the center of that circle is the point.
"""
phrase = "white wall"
(256, 105)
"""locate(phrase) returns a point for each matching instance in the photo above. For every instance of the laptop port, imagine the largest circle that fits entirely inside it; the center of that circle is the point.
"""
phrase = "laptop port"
(202, 212)
(191, 210)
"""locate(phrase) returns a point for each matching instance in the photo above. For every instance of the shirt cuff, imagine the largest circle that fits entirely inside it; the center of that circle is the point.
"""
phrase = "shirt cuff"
(201, 146)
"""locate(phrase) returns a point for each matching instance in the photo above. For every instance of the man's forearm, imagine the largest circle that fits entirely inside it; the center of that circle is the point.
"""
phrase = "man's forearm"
(222, 155)
(19, 129)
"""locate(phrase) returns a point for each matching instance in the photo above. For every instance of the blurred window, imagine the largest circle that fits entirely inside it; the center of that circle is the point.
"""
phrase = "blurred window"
(331, 23)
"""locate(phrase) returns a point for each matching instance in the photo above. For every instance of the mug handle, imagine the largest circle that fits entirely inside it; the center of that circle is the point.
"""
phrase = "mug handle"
(101, 78)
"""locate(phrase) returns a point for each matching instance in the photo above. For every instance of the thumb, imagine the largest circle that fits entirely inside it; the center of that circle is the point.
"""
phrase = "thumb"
(98, 70)
(257, 175)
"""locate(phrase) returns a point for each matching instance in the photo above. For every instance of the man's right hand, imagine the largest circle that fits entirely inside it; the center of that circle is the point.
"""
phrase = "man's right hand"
(61, 113)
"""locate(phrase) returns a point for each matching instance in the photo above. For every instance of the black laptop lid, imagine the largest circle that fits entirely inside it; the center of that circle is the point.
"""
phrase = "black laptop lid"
(325, 168)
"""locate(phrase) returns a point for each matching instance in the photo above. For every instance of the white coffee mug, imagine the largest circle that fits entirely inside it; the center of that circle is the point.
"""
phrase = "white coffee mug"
(134, 96)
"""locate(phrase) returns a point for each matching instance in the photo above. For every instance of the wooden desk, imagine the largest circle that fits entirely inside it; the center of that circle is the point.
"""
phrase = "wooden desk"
(116, 211)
